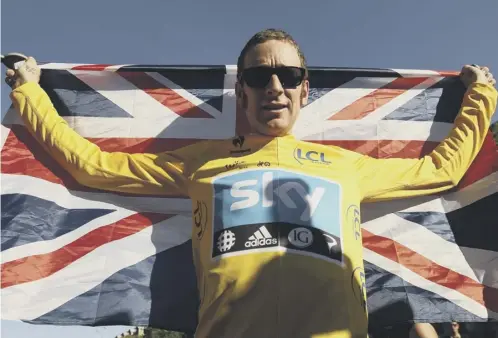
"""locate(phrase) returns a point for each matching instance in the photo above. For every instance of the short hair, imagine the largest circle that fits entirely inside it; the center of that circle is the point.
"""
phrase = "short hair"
(268, 35)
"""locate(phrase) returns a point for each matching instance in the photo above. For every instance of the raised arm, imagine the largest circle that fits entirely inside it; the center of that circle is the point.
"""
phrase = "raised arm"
(444, 167)
(158, 174)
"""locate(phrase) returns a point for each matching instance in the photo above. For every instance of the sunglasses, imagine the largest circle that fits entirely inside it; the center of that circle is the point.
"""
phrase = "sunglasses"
(258, 77)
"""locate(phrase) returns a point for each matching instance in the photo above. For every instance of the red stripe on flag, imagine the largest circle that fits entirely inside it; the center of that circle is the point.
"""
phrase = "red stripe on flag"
(17, 158)
(484, 163)
(373, 101)
(36, 267)
(430, 270)
(447, 73)
(164, 95)
(98, 67)
(17, 154)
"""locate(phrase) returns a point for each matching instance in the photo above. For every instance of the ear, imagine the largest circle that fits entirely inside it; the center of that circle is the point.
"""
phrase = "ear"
(241, 96)
(305, 91)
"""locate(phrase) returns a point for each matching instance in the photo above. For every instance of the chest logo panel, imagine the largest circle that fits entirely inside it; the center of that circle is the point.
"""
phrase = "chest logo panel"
(271, 209)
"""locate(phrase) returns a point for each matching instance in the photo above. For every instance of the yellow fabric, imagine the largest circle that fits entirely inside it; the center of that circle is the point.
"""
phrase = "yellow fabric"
(261, 189)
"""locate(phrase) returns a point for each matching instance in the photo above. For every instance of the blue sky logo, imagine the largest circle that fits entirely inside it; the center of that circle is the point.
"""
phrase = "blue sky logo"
(267, 196)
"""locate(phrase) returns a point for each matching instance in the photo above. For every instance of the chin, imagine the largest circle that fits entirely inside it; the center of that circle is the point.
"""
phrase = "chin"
(276, 128)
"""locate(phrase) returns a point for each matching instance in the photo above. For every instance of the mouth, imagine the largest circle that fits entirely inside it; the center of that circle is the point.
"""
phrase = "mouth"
(274, 108)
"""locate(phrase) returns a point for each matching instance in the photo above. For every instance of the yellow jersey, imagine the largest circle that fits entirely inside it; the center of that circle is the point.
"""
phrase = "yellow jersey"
(276, 235)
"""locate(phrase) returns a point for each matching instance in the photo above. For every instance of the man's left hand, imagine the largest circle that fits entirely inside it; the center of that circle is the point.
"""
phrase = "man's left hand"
(476, 74)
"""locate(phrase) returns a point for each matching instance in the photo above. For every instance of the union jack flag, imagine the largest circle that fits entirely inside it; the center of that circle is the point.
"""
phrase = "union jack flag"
(78, 256)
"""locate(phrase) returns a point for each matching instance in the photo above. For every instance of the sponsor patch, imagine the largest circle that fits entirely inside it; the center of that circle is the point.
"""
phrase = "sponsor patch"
(303, 156)
(273, 208)
(238, 143)
(200, 218)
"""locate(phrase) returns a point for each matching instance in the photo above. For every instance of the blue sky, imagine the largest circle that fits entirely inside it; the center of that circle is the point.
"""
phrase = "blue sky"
(422, 34)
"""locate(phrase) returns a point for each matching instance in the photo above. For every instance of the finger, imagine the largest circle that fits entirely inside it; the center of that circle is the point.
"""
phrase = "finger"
(472, 68)
(485, 69)
(469, 69)
(10, 81)
(31, 61)
(30, 66)
(18, 65)
(10, 72)
(465, 70)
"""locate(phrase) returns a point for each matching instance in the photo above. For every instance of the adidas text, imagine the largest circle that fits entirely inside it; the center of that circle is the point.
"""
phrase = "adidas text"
(260, 242)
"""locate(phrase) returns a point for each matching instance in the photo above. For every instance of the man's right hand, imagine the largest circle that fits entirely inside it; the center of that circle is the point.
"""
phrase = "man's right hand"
(28, 72)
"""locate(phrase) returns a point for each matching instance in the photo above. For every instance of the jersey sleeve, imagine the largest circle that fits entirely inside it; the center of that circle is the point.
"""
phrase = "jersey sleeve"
(157, 174)
(444, 167)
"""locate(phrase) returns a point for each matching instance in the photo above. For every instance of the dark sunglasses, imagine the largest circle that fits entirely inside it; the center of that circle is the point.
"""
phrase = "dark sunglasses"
(258, 77)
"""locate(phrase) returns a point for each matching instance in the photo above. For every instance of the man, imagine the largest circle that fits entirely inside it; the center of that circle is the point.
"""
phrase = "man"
(279, 253)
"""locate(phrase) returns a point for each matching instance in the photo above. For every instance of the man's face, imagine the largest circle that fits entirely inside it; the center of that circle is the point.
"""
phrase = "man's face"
(273, 109)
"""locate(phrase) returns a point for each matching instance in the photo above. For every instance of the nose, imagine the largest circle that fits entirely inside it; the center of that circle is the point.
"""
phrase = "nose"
(274, 87)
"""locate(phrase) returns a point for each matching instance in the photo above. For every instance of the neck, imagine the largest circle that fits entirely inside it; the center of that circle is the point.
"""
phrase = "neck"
(269, 133)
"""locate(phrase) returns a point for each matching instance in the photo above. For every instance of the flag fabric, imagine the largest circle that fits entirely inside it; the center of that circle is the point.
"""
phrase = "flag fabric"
(72, 255)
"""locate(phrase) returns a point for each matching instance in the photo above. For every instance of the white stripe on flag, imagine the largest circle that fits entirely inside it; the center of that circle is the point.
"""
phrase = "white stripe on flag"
(423, 241)
(484, 263)
(33, 299)
(400, 100)
(229, 107)
(472, 193)
(416, 73)
(459, 199)
(411, 277)
(114, 68)
(42, 247)
(4, 133)
(231, 69)
(11, 117)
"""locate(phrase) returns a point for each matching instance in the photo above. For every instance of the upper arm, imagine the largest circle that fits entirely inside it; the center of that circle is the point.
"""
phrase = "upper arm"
(441, 169)
(156, 174)
(161, 174)
(382, 179)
